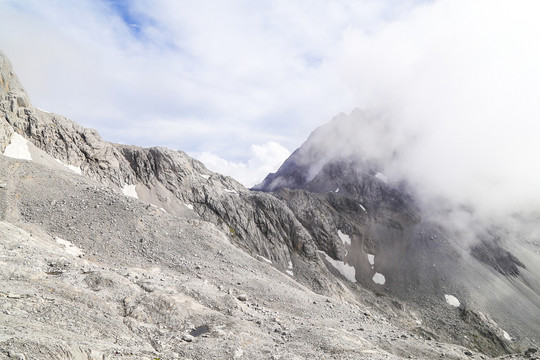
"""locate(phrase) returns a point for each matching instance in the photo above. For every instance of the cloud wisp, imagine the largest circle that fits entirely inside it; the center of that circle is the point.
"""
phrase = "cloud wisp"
(263, 159)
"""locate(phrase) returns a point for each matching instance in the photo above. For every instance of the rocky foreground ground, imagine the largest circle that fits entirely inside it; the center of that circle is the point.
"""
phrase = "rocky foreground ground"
(88, 273)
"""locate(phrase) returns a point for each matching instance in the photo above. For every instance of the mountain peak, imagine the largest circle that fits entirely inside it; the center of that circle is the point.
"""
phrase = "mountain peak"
(128, 252)
(9, 82)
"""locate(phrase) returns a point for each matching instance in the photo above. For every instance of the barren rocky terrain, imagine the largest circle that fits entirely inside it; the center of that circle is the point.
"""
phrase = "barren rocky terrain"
(118, 252)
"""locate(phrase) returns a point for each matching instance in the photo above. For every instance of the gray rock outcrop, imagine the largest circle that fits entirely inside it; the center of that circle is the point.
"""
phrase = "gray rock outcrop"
(405, 247)
(258, 222)
(115, 251)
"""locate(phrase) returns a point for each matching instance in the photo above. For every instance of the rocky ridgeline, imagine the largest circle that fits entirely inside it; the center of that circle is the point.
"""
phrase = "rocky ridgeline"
(339, 232)
(393, 244)
(258, 222)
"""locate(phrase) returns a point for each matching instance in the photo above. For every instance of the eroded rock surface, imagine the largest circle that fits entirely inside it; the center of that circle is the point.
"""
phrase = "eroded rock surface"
(115, 251)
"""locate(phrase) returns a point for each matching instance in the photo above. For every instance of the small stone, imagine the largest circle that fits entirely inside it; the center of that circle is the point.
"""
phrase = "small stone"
(242, 297)
(468, 353)
(188, 338)
(17, 356)
(3, 186)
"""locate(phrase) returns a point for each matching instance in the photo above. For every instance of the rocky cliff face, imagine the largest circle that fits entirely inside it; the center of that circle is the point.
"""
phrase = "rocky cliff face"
(397, 244)
(171, 180)
(170, 260)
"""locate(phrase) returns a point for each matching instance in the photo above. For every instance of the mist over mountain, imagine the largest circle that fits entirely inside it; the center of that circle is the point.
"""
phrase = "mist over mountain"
(120, 252)
(415, 217)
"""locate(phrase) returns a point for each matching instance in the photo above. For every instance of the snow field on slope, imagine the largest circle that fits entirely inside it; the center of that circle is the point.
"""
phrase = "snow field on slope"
(75, 169)
(129, 190)
(344, 237)
(18, 148)
(348, 271)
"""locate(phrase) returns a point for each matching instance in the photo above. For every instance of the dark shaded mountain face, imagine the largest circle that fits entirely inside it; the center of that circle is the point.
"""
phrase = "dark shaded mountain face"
(119, 252)
(332, 185)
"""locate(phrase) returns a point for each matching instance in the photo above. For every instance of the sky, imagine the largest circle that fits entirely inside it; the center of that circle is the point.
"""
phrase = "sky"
(241, 84)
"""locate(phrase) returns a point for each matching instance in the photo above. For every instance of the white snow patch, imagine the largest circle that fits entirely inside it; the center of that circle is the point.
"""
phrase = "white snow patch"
(18, 148)
(238, 353)
(69, 247)
(452, 300)
(379, 279)
(506, 336)
(381, 177)
(344, 237)
(363, 208)
(371, 259)
(265, 259)
(205, 177)
(45, 111)
(230, 191)
(162, 209)
(348, 271)
(189, 206)
(289, 270)
(75, 169)
(337, 190)
(129, 190)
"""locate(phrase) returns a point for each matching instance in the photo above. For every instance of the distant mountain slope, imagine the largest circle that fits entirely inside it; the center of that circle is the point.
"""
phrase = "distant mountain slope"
(397, 238)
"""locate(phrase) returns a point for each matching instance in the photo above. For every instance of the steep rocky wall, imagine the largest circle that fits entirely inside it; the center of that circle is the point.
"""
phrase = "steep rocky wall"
(259, 223)
(396, 246)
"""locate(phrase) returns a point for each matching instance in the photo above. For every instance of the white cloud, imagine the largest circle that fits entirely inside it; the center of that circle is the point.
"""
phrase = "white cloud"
(458, 81)
(460, 77)
(263, 159)
(263, 69)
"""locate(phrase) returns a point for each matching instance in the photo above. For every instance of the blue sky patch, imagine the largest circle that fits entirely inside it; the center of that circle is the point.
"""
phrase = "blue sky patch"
(125, 12)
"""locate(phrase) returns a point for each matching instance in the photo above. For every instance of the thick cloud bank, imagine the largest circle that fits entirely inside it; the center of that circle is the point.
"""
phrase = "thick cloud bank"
(457, 84)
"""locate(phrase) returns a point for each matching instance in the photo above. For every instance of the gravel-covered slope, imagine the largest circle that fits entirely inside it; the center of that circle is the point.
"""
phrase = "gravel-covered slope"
(258, 222)
(172, 249)
(88, 273)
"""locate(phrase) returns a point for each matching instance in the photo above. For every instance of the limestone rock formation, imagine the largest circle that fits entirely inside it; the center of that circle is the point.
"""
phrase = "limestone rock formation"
(118, 252)
(171, 180)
